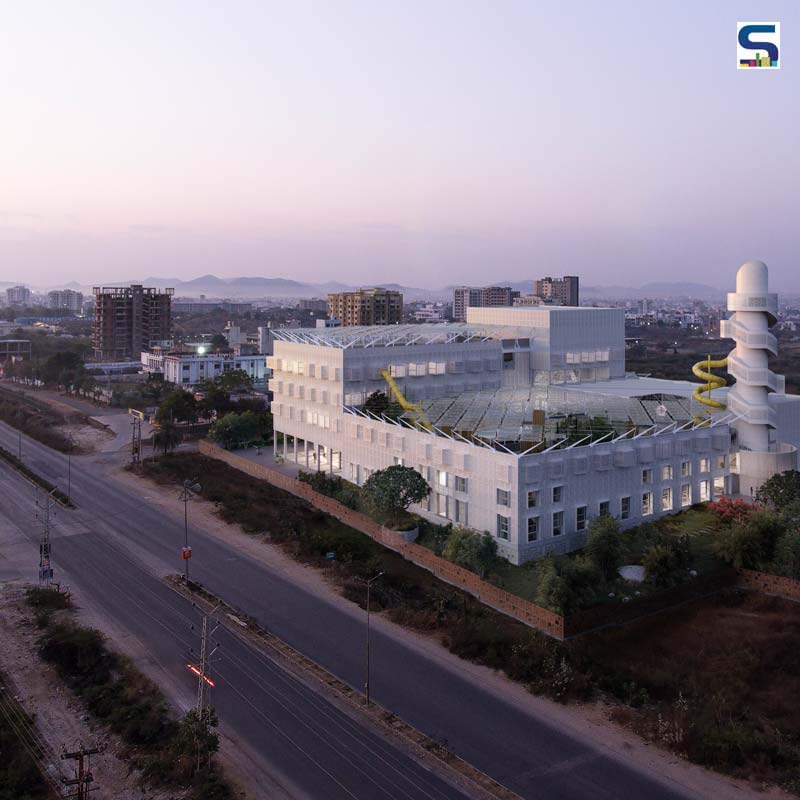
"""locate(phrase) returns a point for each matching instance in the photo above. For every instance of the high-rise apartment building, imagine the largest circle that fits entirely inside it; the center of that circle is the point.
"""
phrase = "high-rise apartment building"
(465, 297)
(129, 319)
(561, 291)
(366, 307)
(18, 295)
(66, 299)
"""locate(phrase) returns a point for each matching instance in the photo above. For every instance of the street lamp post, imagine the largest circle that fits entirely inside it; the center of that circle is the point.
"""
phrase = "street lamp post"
(369, 582)
(190, 487)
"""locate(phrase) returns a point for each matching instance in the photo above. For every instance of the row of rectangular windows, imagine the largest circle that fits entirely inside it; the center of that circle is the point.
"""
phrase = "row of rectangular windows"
(604, 508)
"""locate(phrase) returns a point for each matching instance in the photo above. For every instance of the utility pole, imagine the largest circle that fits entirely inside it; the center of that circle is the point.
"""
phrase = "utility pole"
(45, 566)
(83, 774)
(71, 442)
(190, 488)
(136, 441)
(369, 582)
(201, 670)
(20, 416)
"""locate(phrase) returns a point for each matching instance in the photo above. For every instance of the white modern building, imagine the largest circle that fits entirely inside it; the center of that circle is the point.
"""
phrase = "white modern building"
(186, 370)
(524, 421)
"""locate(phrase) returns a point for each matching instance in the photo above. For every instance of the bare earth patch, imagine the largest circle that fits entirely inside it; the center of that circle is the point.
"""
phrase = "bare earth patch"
(58, 717)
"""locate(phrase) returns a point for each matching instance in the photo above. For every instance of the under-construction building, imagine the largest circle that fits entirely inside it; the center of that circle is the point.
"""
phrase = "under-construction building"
(130, 319)
(366, 307)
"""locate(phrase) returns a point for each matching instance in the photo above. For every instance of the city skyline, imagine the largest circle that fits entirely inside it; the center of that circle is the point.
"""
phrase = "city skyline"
(370, 146)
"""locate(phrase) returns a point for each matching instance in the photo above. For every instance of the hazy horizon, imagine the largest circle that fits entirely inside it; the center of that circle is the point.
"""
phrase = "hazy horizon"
(411, 144)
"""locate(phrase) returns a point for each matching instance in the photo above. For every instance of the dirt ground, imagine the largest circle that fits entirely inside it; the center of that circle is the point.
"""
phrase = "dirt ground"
(58, 717)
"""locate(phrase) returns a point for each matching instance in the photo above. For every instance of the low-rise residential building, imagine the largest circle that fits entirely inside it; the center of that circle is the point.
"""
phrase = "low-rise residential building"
(187, 369)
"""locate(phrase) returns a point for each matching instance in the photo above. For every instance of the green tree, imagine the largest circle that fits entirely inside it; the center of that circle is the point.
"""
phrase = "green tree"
(234, 379)
(196, 737)
(215, 400)
(473, 551)
(219, 343)
(167, 436)
(235, 430)
(377, 403)
(604, 545)
(63, 369)
(178, 406)
(780, 490)
(394, 489)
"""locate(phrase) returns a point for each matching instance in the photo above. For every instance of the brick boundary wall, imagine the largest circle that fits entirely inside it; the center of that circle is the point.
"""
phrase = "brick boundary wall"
(516, 607)
(542, 619)
(788, 588)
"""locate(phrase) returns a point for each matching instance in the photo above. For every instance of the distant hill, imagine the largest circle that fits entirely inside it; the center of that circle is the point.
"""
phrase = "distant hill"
(252, 288)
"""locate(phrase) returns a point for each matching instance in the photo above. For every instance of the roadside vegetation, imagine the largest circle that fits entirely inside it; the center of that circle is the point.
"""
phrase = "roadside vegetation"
(37, 419)
(714, 680)
(25, 470)
(170, 753)
(21, 777)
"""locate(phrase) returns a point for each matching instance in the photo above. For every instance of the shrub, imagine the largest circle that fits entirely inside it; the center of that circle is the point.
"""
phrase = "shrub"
(750, 544)
(728, 511)
(566, 584)
(787, 554)
(661, 565)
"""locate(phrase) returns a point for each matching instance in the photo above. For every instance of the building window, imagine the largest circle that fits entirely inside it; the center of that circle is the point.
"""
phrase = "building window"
(666, 472)
(533, 499)
(721, 462)
(558, 523)
(533, 529)
(686, 495)
(462, 484)
(461, 512)
(647, 476)
(580, 518)
(398, 462)
(705, 491)
(666, 499)
(441, 478)
(503, 497)
(557, 493)
(441, 505)
(625, 508)
(503, 527)
(647, 504)
(705, 465)
(686, 469)
(605, 508)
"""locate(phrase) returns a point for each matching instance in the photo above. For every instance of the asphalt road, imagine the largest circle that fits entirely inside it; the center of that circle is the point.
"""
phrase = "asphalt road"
(129, 542)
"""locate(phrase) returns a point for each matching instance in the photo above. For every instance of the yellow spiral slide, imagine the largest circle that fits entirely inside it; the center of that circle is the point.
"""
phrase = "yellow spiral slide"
(702, 369)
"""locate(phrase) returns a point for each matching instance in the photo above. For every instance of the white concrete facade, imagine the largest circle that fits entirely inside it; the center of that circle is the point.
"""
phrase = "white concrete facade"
(532, 502)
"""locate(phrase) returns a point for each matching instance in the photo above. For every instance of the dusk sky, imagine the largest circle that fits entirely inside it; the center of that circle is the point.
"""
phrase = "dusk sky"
(423, 143)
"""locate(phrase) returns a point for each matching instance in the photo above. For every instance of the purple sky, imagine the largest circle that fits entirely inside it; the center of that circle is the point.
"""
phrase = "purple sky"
(423, 143)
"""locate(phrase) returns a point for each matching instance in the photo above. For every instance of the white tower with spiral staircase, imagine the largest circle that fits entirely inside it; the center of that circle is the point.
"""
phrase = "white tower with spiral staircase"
(755, 311)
